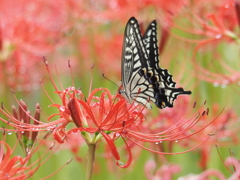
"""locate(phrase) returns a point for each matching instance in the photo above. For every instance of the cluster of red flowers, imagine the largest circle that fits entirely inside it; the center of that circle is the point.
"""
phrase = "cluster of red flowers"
(22, 167)
(101, 117)
(217, 27)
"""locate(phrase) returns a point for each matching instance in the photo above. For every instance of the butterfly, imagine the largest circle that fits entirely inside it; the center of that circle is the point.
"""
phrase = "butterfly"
(143, 81)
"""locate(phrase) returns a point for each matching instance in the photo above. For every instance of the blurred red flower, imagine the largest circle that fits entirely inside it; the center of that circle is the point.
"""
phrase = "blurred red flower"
(28, 30)
(212, 23)
(14, 167)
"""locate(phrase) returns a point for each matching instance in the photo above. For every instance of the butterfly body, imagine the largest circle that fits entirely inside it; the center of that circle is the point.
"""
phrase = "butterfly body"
(143, 81)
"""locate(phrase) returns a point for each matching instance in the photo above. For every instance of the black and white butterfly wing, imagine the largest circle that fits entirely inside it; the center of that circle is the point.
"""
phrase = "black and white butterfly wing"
(134, 57)
(142, 78)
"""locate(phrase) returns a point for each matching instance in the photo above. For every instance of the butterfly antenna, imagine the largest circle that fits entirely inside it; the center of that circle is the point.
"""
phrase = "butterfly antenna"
(109, 80)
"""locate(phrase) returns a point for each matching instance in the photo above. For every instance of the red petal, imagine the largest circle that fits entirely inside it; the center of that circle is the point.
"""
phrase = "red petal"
(111, 145)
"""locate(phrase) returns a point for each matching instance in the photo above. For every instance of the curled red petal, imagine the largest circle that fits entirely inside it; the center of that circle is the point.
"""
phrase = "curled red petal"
(111, 145)
(129, 161)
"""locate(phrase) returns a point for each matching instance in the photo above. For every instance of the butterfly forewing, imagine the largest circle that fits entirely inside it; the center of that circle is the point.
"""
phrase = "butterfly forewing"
(134, 57)
(142, 78)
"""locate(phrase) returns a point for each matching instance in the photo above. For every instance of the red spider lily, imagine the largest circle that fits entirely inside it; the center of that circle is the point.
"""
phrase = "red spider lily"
(23, 37)
(14, 167)
(18, 167)
(218, 27)
(222, 129)
(168, 118)
(225, 134)
(96, 117)
(112, 118)
(108, 117)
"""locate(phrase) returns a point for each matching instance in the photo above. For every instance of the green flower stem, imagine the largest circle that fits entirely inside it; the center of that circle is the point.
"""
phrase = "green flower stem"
(90, 160)
(97, 137)
(233, 36)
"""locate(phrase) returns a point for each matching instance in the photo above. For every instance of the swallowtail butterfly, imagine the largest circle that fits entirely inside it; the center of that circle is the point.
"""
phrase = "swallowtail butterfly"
(143, 81)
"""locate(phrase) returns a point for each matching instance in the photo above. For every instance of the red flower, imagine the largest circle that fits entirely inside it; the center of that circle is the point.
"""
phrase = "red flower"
(101, 115)
(105, 117)
(14, 167)
(211, 26)
(111, 117)
(28, 29)
(222, 129)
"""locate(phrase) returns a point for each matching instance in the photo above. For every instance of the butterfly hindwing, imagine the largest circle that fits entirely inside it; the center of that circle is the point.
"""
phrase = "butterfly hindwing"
(151, 45)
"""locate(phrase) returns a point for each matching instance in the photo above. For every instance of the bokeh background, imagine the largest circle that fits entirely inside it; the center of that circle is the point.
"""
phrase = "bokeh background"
(198, 42)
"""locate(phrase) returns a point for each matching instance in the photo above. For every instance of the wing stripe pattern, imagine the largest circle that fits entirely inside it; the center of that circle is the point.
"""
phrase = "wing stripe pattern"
(142, 78)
